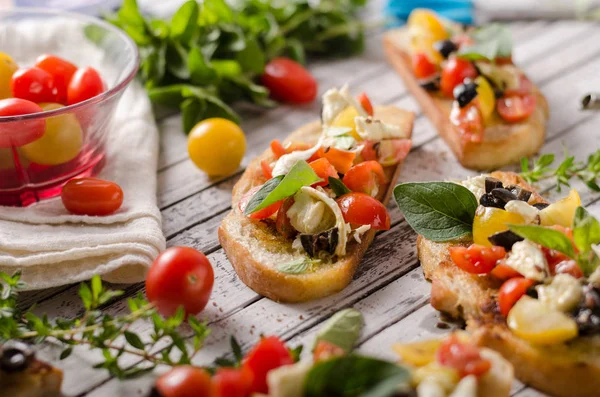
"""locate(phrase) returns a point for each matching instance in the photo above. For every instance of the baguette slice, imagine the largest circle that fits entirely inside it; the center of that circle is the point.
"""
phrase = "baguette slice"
(38, 380)
(254, 248)
(565, 370)
(503, 143)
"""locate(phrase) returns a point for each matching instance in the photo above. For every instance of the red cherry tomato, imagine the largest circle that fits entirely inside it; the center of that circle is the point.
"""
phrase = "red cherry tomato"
(525, 87)
(454, 72)
(477, 259)
(504, 272)
(266, 169)
(323, 168)
(86, 83)
(362, 209)
(514, 109)
(463, 357)
(511, 291)
(569, 267)
(180, 277)
(61, 70)
(27, 131)
(34, 84)
(387, 152)
(229, 382)
(289, 81)
(468, 121)
(422, 66)
(282, 223)
(342, 160)
(561, 263)
(326, 351)
(91, 196)
(184, 381)
(365, 102)
(260, 214)
(365, 177)
(268, 354)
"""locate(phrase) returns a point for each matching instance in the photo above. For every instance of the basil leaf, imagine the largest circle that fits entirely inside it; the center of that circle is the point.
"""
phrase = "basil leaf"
(298, 266)
(183, 23)
(281, 187)
(342, 329)
(586, 230)
(439, 211)
(545, 237)
(353, 376)
(338, 186)
(491, 41)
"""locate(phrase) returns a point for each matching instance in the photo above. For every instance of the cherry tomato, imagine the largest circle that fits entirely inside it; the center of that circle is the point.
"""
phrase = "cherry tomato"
(323, 168)
(28, 131)
(61, 70)
(504, 272)
(468, 121)
(341, 160)
(365, 102)
(362, 209)
(217, 146)
(365, 177)
(7, 68)
(260, 214)
(289, 81)
(266, 169)
(463, 357)
(511, 291)
(184, 381)
(525, 87)
(34, 84)
(180, 277)
(569, 267)
(326, 351)
(454, 72)
(422, 66)
(514, 109)
(85, 83)
(61, 142)
(477, 259)
(282, 223)
(229, 382)
(387, 152)
(91, 196)
(268, 354)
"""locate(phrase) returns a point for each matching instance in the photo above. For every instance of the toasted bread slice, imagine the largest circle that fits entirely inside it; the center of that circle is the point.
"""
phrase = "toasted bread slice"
(502, 144)
(254, 248)
(38, 380)
(566, 370)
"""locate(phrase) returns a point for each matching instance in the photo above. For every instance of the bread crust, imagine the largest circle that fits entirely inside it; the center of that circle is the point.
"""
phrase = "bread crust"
(565, 370)
(503, 143)
(250, 244)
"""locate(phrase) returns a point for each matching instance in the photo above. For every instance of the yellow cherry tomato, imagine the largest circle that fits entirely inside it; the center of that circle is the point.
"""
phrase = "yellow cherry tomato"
(490, 220)
(485, 97)
(217, 146)
(7, 68)
(61, 142)
(418, 353)
(425, 29)
(345, 119)
(561, 212)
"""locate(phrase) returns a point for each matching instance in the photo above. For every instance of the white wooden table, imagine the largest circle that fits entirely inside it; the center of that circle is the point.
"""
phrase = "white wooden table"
(561, 57)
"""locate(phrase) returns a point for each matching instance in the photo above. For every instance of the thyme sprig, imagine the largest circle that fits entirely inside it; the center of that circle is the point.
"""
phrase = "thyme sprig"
(542, 169)
(100, 330)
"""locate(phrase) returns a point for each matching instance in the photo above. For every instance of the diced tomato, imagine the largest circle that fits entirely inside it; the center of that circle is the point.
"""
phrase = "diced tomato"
(422, 66)
(525, 87)
(569, 267)
(266, 169)
(268, 354)
(514, 109)
(511, 291)
(277, 148)
(469, 122)
(464, 357)
(454, 72)
(342, 160)
(362, 209)
(477, 259)
(326, 351)
(561, 263)
(228, 382)
(323, 168)
(365, 177)
(260, 214)
(504, 60)
(504, 272)
(365, 102)
(282, 223)
(387, 152)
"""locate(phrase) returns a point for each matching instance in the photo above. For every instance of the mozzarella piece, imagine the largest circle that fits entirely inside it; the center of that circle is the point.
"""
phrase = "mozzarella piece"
(498, 380)
(529, 260)
(476, 185)
(528, 212)
(359, 231)
(287, 161)
(467, 387)
(430, 388)
(563, 294)
(335, 101)
(371, 129)
(288, 381)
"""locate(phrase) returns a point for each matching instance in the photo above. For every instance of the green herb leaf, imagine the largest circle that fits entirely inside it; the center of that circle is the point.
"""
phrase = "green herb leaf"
(184, 21)
(342, 329)
(439, 211)
(586, 233)
(296, 352)
(280, 187)
(299, 266)
(491, 41)
(236, 349)
(338, 186)
(66, 353)
(134, 340)
(546, 237)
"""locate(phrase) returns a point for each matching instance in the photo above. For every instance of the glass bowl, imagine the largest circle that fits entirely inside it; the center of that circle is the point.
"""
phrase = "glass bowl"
(74, 137)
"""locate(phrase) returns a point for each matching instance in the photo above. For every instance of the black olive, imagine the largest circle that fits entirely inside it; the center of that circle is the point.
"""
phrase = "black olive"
(503, 195)
(154, 393)
(587, 315)
(464, 93)
(522, 194)
(505, 239)
(531, 291)
(324, 241)
(445, 47)
(487, 200)
(491, 184)
(15, 357)
(432, 84)
(498, 93)
(541, 206)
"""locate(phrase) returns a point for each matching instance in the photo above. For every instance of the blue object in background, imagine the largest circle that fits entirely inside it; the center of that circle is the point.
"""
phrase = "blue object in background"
(457, 10)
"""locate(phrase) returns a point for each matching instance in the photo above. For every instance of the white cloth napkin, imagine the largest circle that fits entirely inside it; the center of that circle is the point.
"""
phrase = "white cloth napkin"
(52, 247)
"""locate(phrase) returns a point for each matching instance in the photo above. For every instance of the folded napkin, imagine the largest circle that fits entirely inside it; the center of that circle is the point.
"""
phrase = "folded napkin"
(52, 247)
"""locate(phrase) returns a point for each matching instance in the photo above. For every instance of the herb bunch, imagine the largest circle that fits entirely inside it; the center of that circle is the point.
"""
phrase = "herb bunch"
(101, 331)
(209, 56)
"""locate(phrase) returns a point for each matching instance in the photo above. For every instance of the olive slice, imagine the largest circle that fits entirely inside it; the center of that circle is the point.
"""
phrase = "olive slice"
(464, 93)
(522, 194)
(445, 47)
(541, 206)
(503, 195)
(487, 200)
(431, 84)
(491, 184)
(324, 241)
(505, 239)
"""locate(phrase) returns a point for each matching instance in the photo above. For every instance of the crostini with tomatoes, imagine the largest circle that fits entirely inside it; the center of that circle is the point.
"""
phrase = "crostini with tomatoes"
(485, 108)
(523, 273)
(305, 211)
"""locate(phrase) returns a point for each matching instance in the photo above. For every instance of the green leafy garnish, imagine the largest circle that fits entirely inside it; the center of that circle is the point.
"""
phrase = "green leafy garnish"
(586, 234)
(299, 266)
(546, 237)
(338, 187)
(439, 211)
(280, 187)
(342, 329)
(490, 41)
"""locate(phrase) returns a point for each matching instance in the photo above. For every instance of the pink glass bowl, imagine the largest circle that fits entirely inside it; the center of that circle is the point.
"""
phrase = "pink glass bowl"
(26, 178)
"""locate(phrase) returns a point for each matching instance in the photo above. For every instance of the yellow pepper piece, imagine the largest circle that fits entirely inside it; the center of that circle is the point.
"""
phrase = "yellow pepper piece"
(425, 29)
(562, 211)
(485, 97)
(419, 353)
(345, 119)
(490, 220)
